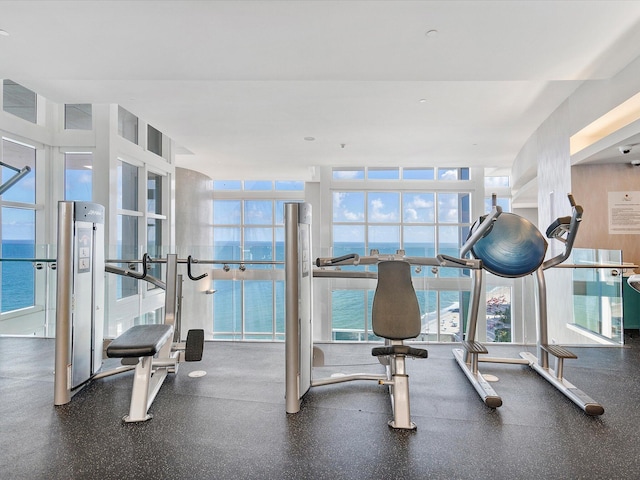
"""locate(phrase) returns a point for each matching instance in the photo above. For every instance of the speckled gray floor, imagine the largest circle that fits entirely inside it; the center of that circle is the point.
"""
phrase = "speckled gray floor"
(231, 423)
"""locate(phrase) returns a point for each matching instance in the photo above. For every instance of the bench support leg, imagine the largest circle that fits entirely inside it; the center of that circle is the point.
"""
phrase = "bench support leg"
(399, 385)
(146, 385)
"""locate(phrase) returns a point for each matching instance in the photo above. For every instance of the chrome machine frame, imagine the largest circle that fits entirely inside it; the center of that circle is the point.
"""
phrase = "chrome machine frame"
(299, 350)
(80, 314)
(468, 357)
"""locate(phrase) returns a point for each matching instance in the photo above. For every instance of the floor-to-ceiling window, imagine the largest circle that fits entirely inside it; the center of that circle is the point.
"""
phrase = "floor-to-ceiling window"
(78, 176)
(424, 212)
(248, 219)
(18, 226)
(499, 290)
(127, 226)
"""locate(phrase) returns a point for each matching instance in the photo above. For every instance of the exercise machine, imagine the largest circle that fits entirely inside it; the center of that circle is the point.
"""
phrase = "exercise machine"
(15, 178)
(395, 314)
(510, 246)
(147, 349)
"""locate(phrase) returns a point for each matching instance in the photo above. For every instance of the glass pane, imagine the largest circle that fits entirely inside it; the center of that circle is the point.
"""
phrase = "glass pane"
(498, 314)
(449, 240)
(490, 182)
(384, 239)
(154, 245)
(226, 244)
(258, 185)
(280, 212)
(227, 185)
(19, 101)
(418, 207)
(598, 295)
(154, 193)
(453, 174)
(450, 316)
(383, 173)
(370, 335)
(127, 186)
(465, 207)
(348, 239)
(19, 156)
(280, 314)
(227, 307)
(258, 306)
(127, 248)
(226, 212)
(449, 244)
(258, 245)
(127, 125)
(258, 212)
(428, 301)
(448, 208)
(18, 241)
(279, 233)
(503, 202)
(348, 206)
(348, 173)
(384, 207)
(154, 140)
(348, 314)
(293, 185)
(78, 116)
(419, 241)
(418, 174)
(78, 177)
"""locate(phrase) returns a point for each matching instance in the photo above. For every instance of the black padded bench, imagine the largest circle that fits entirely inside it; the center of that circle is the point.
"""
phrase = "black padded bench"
(400, 350)
(140, 341)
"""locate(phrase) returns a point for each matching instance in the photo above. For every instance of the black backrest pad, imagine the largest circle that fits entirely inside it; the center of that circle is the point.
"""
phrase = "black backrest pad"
(395, 314)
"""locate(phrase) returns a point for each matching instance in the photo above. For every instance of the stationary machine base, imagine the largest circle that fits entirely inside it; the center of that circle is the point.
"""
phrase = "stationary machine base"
(487, 393)
(577, 396)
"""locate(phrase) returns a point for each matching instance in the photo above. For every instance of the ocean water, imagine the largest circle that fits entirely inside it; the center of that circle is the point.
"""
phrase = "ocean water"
(17, 277)
(350, 308)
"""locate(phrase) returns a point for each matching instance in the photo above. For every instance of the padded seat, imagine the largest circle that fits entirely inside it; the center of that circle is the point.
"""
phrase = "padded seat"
(395, 313)
(140, 341)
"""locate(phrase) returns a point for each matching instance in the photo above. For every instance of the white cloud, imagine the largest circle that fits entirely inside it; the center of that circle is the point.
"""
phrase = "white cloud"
(410, 214)
(342, 211)
(346, 174)
(377, 213)
(419, 202)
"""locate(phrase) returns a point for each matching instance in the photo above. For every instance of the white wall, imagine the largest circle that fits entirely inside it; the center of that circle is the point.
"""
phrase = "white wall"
(548, 150)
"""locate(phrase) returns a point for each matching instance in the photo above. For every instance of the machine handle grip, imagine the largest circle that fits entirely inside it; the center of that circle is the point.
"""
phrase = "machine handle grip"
(191, 260)
(568, 225)
(143, 274)
(326, 262)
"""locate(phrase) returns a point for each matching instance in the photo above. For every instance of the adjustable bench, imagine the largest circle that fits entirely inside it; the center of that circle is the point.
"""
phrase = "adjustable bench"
(142, 342)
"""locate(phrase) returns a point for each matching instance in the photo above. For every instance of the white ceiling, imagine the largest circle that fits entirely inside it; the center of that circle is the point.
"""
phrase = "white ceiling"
(241, 84)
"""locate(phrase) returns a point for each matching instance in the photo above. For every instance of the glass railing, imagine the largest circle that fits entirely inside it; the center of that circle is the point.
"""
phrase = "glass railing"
(598, 313)
(239, 302)
(28, 291)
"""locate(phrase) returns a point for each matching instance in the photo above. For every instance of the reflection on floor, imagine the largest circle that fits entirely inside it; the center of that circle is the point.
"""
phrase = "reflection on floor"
(231, 423)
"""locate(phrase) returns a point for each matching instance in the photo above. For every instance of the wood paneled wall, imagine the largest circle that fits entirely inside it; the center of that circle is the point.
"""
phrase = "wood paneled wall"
(591, 185)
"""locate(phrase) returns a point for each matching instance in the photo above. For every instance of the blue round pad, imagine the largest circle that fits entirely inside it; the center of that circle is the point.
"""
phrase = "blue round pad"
(513, 247)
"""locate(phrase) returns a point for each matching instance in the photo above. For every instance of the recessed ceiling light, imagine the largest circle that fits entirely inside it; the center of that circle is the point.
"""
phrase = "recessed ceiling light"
(432, 33)
(309, 139)
(4, 33)
(423, 100)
